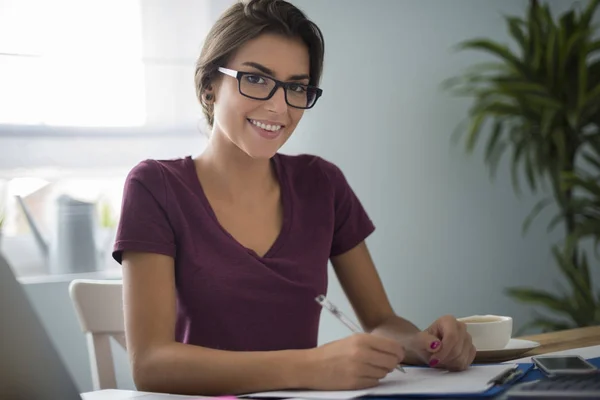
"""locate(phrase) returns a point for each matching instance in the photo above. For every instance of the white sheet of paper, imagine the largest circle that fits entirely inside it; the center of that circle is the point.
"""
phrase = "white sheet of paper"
(414, 381)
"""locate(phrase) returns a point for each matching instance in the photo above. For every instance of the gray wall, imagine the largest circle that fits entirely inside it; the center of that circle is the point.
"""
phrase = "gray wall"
(447, 240)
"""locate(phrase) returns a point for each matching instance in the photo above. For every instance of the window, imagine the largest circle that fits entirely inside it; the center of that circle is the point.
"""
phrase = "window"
(88, 88)
(71, 63)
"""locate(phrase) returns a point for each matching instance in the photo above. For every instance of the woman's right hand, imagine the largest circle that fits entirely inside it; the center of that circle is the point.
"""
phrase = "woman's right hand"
(356, 362)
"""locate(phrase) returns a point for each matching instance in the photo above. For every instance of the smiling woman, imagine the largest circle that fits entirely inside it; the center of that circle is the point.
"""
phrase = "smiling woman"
(224, 254)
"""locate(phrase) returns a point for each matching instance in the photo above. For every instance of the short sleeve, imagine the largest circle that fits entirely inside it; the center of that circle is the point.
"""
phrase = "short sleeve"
(144, 223)
(352, 224)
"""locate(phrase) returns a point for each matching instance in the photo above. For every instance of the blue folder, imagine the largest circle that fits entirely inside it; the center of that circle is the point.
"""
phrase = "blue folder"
(530, 373)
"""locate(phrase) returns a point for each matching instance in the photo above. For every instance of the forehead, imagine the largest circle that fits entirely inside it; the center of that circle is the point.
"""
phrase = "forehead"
(283, 55)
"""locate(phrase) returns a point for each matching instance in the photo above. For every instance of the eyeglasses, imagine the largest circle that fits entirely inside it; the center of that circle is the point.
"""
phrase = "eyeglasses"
(260, 87)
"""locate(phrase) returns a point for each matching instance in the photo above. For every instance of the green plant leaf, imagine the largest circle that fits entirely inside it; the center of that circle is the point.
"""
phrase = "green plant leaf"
(594, 161)
(535, 37)
(474, 130)
(579, 281)
(537, 209)
(539, 297)
(515, 27)
(582, 80)
(529, 171)
(569, 180)
(493, 141)
(592, 97)
(545, 324)
(550, 57)
(495, 49)
(587, 15)
(458, 131)
(519, 149)
(558, 137)
(554, 221)
(495, 158)
(548, 119)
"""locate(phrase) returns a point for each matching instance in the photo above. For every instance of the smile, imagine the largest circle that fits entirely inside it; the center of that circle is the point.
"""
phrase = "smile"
(266, 127)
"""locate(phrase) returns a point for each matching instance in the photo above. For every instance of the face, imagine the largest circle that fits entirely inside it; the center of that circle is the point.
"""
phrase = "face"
(242, 120)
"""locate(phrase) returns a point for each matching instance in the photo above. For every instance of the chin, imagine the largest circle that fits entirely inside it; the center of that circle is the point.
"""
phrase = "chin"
(261, 154)
(259, 148)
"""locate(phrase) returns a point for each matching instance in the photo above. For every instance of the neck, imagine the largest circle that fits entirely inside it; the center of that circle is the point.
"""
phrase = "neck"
(232, 171)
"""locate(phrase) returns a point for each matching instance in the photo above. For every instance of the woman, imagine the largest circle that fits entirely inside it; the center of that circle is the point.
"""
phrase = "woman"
(224, 254)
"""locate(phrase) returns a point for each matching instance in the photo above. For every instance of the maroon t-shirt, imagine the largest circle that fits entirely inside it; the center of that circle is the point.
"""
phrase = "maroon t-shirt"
(228, 297)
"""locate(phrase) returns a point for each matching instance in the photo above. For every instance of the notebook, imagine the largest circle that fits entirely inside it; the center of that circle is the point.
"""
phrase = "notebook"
(417, 381)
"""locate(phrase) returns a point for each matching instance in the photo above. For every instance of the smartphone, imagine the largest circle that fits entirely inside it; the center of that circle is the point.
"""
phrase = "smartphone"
(562, 365)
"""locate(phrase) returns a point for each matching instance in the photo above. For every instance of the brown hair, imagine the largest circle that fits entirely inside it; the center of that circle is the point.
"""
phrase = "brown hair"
(244, 21)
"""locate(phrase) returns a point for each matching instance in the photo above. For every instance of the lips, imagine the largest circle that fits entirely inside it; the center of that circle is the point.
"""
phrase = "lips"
(269, 131)
(266, 125)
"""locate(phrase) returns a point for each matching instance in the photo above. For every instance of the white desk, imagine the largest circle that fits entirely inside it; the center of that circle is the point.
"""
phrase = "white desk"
(585, 352)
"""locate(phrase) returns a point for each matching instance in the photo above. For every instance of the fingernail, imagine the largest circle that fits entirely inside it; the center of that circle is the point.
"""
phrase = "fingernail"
(435, 345)
(433, 362)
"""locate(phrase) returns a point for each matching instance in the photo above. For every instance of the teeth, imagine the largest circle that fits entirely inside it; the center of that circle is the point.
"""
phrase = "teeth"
(271, 128)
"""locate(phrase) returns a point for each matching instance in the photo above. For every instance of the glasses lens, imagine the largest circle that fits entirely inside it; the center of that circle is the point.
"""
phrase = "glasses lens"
(260, 87)
(256, 86)
(301, 96)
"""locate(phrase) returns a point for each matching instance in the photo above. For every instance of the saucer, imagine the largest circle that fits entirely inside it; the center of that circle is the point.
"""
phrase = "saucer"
(514, 349)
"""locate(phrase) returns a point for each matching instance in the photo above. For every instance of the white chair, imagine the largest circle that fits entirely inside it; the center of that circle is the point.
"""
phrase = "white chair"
(99, 308)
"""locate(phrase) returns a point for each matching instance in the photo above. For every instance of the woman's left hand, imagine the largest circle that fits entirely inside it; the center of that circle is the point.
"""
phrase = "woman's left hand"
(445, 344)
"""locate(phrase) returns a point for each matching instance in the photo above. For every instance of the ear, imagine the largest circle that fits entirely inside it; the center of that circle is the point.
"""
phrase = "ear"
(208, 95)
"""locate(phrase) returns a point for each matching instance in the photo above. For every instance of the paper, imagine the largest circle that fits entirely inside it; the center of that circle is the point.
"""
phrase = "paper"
(415, 381)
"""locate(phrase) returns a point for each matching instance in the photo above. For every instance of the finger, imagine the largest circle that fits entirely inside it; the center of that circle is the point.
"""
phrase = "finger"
(381, 360)
(452, 335)
(457, 353)
(462, 358)
(370, 371)
(425, 342)
(443, 354)
(385, 345)
(472, 354)
(364, 383)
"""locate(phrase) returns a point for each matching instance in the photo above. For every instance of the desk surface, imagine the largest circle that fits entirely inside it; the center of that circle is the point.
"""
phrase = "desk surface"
(564, 340)
(549, 342)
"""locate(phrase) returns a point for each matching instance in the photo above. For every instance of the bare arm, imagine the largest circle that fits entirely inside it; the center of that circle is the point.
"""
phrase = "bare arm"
(160, 364)
(361, 283)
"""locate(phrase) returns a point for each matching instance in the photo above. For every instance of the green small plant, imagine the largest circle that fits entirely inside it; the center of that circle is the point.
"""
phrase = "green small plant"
(107, 219)
(543, 103)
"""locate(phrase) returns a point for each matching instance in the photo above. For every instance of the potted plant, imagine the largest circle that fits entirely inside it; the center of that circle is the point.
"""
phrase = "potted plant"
(542, 104)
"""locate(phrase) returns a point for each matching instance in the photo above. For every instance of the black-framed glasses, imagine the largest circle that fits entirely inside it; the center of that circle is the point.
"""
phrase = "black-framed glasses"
(261, 87)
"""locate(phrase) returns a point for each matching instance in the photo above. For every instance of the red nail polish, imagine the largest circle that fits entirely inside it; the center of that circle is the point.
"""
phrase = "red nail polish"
(435, 345)
(433, 362)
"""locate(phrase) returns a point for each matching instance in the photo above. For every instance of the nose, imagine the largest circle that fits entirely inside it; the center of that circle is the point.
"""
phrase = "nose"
(277, 102)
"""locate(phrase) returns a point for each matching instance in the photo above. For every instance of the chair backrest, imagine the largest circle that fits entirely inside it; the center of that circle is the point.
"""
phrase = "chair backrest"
(99, 308)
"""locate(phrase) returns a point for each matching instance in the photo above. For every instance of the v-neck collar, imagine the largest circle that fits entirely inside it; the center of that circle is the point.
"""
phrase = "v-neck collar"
(285, 199)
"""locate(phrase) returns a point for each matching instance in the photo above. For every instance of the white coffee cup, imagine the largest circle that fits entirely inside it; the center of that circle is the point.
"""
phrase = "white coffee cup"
(489, 332)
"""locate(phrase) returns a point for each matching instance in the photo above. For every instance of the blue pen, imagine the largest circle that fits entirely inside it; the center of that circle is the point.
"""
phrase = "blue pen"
(329, 306)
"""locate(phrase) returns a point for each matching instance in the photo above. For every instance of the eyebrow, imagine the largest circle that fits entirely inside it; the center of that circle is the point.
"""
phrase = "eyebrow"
(270, 72)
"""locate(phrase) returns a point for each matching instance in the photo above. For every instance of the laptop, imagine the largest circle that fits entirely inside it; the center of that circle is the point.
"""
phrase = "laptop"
(30, 366)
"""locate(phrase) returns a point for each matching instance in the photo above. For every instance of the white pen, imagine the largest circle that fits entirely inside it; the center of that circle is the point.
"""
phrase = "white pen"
(329, 306)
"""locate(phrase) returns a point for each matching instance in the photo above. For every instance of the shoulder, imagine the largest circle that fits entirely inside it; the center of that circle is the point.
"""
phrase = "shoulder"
(152, 171)
(156, 176)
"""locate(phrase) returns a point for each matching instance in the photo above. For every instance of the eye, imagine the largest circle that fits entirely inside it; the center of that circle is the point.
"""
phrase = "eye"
(255, 79)
(297, 88)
